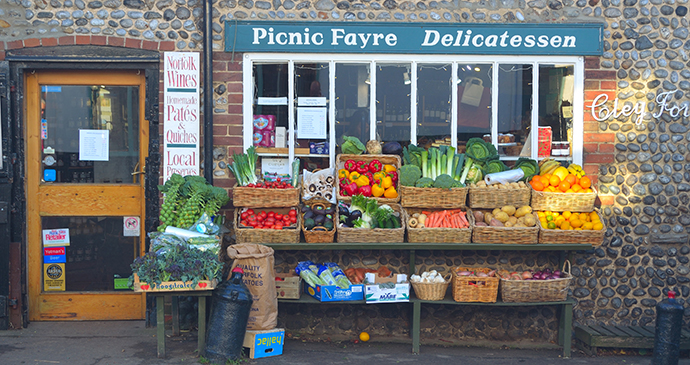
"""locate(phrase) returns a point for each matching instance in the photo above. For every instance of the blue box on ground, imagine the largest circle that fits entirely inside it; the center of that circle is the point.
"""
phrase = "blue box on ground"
(332, 293)
(264, 343)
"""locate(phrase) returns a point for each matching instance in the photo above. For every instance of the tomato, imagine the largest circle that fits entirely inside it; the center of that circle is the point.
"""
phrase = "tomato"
(252, 217)
(262, 214)
(271, 214)
(278, 226)
(270, 219)
(253, 223)
(250, 211)
(244, 215)
(244, 223)
(279, 216)
(286, 218)
(293, 213)
(293, 219)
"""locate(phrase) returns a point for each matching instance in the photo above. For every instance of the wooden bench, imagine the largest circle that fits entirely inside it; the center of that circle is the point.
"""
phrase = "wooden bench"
(641, 337)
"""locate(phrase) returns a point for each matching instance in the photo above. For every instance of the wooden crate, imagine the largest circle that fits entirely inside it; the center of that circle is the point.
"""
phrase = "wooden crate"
(264, 343)
(290, 287)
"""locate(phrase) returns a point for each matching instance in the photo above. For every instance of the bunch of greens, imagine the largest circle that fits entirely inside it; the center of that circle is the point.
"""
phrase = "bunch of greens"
(179, 262)
(243, 167)
(352, 146)
(373, 216)
(479, 153)
(186, 198)
(494, 166)
(434, 163)
(528, 166)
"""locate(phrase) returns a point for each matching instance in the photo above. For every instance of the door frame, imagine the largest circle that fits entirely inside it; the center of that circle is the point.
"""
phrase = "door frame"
(78, 58)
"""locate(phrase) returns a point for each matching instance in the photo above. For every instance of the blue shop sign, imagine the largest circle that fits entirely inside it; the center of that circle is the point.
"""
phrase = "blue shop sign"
(420, 38)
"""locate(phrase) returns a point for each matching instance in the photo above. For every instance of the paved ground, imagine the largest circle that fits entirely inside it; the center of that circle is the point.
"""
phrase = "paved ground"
(131, 343)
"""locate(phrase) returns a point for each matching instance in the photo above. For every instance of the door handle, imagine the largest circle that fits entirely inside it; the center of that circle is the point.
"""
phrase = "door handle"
(141, 172)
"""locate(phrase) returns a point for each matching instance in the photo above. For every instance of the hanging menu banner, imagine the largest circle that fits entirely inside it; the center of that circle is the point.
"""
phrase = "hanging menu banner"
(181, 114)
(425, 38)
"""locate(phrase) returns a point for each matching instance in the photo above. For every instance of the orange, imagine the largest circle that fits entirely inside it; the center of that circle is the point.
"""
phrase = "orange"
(567, 214)
(551, 189)
(587, 226)
(536, 177)
(597, 226)
(544, 181)
(364, 336)
(584, 217)
(563, 186)
(585, 182)
(548, 176)
(575, 223)
(593, 216)
(576, 188)
(570, 179)
(554, 181)
(565, 225)
(537, 185)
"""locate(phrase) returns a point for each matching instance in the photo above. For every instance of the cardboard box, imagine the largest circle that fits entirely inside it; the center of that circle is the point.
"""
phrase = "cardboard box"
(332, 293)
(290, 287)
(264, 343)
(395, 289)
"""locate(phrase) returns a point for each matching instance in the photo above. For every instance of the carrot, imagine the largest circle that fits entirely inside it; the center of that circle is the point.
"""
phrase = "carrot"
(463, 219)
(429, 223)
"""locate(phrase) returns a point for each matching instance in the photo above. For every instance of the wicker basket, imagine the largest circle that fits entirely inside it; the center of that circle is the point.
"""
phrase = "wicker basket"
(411, 197)
(521, 235)
(490, 198)
(430, 291)
(595, 238)
(320, 234)
(374, 235)
(438, 235)
(251, 235)
(474, 288)
(527, 291)
(385, 159)
(559, 202)
(243, 196)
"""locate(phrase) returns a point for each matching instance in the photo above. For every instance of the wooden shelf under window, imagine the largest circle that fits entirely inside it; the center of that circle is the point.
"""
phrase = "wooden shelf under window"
(283, 152)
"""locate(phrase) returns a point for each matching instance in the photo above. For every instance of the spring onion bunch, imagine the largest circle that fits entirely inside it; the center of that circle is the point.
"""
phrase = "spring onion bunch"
(244, 167)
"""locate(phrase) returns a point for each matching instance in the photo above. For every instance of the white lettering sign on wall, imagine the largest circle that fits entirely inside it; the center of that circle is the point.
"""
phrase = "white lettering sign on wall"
(601, 111)
(181, 114)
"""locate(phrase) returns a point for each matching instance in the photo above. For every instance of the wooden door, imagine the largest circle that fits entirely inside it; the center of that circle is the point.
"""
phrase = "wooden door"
(86, 143)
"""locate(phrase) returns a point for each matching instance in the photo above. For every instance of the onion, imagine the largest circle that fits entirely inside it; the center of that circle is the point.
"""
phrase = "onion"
(482, 275)
(464, 273)
(491, 273)
(557, 273)
(526, 275)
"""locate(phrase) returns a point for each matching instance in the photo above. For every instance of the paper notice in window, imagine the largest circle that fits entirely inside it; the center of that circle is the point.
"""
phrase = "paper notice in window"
(94, 144)
(311, 123)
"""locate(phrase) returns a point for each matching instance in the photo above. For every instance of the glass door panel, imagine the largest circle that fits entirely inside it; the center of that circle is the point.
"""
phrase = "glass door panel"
(514, 109)
(89, 134)
(474, 102)
(556, 90)
(311, 114)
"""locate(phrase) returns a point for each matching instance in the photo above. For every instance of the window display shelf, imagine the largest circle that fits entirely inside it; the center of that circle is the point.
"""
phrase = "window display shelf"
(564, 308)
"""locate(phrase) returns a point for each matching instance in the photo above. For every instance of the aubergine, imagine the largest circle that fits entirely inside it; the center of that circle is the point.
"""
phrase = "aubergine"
(305, 209)
(319, 218)
(308, 214)
(391, 148)
(318, 210)
(329, 210)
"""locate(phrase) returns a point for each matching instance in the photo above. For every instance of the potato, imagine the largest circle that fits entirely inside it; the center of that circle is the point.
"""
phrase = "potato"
(521, 219)
(495, 223)
(495, 211)
(523, 210)
(509, 209)
(522, 184)
(481, 184)
(481, 224)
(488, 217)
(530, 221)
(512, 220)
(514, 185)
(519, 225)
(501, 216)
(478, 216)
(508, 224)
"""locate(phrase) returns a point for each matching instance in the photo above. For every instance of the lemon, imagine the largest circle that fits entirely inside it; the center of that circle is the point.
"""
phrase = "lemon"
(364, 337)
(561, 172)
(551, 225)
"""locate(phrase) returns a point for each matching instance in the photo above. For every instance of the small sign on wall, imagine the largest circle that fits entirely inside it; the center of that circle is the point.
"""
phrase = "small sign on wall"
(56, 237)
(131, 226)
(54, 277)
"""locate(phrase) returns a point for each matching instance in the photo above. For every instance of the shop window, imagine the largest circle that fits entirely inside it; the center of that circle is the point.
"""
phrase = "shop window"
(529, 108)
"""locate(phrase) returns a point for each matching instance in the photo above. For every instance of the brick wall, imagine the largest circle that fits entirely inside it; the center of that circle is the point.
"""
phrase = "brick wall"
(598, 146)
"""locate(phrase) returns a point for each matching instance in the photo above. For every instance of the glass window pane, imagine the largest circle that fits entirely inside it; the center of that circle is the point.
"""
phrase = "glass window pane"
(271, 93)
(98, 252)
(514, 109)
(474, 102)
(111, 111)
(352, 102)
(392, 104)
(433, 104)
(556, 89)
(311, 91)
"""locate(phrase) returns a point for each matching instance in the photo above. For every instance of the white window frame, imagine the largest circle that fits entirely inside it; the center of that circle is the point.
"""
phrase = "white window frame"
(373, 59)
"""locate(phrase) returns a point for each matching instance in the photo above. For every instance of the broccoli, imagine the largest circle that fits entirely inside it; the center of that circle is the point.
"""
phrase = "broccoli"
(444, 181)
(458, 184)
(425, 182)
(409, 174)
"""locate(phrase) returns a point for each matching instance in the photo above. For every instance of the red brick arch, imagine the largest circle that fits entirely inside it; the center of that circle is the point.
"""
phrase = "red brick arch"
(95, 40)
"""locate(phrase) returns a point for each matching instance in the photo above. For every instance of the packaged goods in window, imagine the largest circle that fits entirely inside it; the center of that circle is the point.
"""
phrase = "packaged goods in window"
(264, 130)
(544, 140)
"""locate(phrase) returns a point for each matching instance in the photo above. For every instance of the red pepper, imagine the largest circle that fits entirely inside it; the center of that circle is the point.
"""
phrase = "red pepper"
(375, 166)
(350, 165)
(365, 190)
(351, 189)
(370, 176)
(362, 167)
(394, 176)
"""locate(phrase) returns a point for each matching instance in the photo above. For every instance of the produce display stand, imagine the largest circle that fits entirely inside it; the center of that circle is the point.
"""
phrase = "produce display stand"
(564, 310)
(160, 316)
